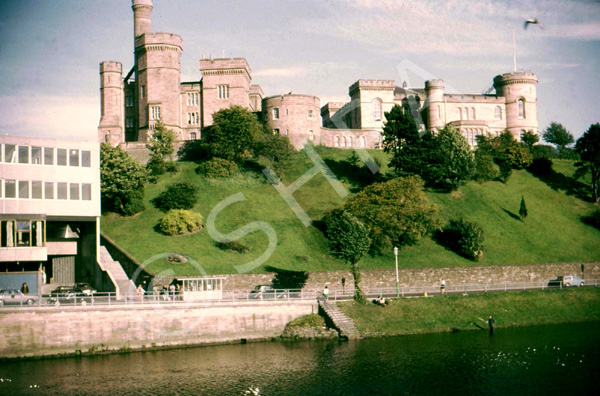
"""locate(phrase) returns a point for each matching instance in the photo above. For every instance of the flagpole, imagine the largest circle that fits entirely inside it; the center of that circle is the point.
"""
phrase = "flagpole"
(514, 53)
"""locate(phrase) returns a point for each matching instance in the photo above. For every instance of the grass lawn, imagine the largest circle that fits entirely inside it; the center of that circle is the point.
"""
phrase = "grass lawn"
(457, 312)
(552, 232)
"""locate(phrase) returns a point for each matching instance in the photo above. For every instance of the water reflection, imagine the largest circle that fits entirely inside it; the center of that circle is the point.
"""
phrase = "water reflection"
(535, 360)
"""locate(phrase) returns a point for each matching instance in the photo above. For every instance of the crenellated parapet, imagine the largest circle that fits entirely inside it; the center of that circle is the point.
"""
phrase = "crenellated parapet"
(225, 66)
(372, 85)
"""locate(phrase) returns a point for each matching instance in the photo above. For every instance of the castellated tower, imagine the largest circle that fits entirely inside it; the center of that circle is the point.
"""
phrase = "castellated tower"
(435, 100)
(519, 92)
(371, 98)
(157, 73)
(110, 129)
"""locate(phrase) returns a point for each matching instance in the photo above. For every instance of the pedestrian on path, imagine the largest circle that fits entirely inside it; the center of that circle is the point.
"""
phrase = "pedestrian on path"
(442, 286)
(491, 323)
(326, 294)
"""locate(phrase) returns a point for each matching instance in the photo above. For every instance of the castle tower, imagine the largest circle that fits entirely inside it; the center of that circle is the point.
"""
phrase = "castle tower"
(157, 73)
(435, 100)
(372, 98)
(225, 82)
(519, 91)
(294, 115)
(110, 129)
(141, 17)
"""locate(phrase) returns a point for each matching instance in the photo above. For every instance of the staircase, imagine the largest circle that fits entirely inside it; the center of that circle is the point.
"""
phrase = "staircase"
(124, 287)
(341, 322)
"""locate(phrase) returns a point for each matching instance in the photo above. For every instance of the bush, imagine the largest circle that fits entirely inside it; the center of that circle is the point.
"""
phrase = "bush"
(593, 219)
(541, 166)
(233, 246)
(463, 237)
(542, 150)
(133, 207)
(485, 169)
(177, 196)
(171, 167)
(217, 167)
(156, 166)
(178, 221)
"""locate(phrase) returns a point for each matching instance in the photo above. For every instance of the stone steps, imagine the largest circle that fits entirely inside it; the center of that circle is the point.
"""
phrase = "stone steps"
(344, 324)
(124, 287)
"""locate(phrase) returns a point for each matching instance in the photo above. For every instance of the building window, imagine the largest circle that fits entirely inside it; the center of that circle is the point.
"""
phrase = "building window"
(362, 141)
(439, 111)
(23, 155)
(86, 158)
(48, 156)
(143, 92)
(61, 190)
(129, 101)
(61, 157)
(154, 112)
(129, 122)
(276, 113)
(74, 191)
(459, 113)
(86, 191)
(49, 190)
(343, 141)
(310, 113)
(376, 109)
(498, 113)
(36, 189)
(521, 106)
(287, 132)
(23, 189)
(192, 135)
(10, 188)
(473, 113)
(192, 99)
(36, 155)
(336, 141)
(223, 91)
(74, 157)
(287, 112)
(311, 135)
(192, 118)
(23, 233)
(10, 153)
(276, 131)
(349, 141)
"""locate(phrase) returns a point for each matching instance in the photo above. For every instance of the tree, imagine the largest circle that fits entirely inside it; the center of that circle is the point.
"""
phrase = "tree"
(182, 195)
(401, 139)
(529, 138)
(588, 147)
(161, 148)
(349, 240)
(523, 209)
(397, 212)
(122, 180)
(464, 237)
(450, 160)
(233, 134)
(558, 135)
(275, 148)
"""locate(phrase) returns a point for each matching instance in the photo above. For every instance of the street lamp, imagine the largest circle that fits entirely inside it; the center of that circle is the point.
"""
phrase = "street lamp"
(397, 279)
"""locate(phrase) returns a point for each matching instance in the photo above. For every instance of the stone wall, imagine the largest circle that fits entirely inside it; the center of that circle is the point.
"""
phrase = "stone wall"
(74, 330)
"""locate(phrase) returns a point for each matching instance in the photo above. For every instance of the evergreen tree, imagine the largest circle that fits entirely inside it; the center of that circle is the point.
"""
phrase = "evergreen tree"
(401, 139)
(523, 209)
(559, 136)
(161, 146)
(588, 147)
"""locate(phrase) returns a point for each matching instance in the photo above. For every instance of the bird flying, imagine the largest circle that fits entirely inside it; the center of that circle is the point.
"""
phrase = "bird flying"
(533, 21)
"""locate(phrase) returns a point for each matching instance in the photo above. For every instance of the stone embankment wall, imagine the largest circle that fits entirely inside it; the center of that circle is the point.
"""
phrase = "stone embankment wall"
(34, 332)
(376, 278)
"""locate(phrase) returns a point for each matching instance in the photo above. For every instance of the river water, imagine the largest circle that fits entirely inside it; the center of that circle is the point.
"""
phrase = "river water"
(541, 360)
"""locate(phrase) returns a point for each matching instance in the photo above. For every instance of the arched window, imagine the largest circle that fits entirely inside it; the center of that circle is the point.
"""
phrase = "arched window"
(472, 113)
(343, 142)
(498, 113)
(439, 109)
(349, 141)
(311, 135)
(521, 106)
(362, 141)
(336, 141)
(459, 113)
(377, 109)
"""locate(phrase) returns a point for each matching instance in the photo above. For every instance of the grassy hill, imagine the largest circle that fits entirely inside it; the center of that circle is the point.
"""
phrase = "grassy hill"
(552, 232)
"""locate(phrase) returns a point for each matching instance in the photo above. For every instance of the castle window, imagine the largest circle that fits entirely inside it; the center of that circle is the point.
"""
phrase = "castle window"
(349, 141)
(521, 106)
(129, 122)
(287, 132)
(439, 111)
(276, 131)
(129, 101)
(154, 113)
(343, 142)
(310, 113)
(287, 112)
(192, 99)
(376, 109)
(336, 141)
(498, 113)
(276, 113)
(143, 92)
(362, 141)
(223, 91)
(311, 135)
(473, 113)
(192, 118)
(459, 113)
(192, 135)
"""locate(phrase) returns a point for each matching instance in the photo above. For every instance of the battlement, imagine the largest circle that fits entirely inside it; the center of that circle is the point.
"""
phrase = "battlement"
(255, 89)
(141, 3)
(159, 39)
(515, 78)
(221, 66)
(111, 66)
(434, 84)
(292, 99)
(372, 84)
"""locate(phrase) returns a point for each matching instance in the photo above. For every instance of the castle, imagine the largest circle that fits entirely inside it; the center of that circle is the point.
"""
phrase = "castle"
(152, 90)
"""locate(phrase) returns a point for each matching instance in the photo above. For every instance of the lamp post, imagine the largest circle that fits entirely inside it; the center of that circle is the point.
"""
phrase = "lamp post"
(397, 279)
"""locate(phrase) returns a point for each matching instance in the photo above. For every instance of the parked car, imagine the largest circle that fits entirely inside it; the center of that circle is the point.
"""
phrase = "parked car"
(567, 281)
(266, 292)
(85, 288)
(16, 297)
(69, 295)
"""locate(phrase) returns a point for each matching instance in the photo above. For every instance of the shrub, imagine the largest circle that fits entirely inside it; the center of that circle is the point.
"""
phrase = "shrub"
(156, 166)
(177, 196)
(593, 219)
(233, 246)
(171, 167)
(217, 167)
(133, 207)
(179, 221)
(464, 237)
(485, 169)
(542, 150)
(541, 166)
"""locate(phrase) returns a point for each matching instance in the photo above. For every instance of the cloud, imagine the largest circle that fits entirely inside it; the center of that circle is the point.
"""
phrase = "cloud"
(50, 116)
(296, 71)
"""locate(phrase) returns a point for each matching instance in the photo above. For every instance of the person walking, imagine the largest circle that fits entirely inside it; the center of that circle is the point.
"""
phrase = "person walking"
(442, 286)
(326, 294)
(491, 323)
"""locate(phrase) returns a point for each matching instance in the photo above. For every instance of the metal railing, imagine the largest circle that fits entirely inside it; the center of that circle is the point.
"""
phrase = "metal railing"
(280, 295)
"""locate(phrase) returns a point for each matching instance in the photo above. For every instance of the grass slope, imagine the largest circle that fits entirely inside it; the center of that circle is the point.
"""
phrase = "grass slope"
(552, 232)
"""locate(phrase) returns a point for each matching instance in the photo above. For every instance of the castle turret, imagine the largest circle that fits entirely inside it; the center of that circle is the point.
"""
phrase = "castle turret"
(110, 129)
(435, 101)
(141, 16)
(294, 115)
(519, 92)
(371, 98)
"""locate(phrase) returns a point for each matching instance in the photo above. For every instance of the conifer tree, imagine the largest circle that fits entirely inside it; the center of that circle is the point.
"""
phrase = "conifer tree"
(523, 209)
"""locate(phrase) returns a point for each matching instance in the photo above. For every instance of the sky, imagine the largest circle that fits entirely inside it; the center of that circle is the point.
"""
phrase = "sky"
(50, 51)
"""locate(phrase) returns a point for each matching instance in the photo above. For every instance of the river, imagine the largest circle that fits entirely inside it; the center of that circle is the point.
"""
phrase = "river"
(540, 360)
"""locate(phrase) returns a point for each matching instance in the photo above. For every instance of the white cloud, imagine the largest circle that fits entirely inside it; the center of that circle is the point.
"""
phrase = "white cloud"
(50, 116)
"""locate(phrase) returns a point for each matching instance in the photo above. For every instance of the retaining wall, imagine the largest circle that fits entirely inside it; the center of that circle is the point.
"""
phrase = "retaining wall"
(35, 332)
